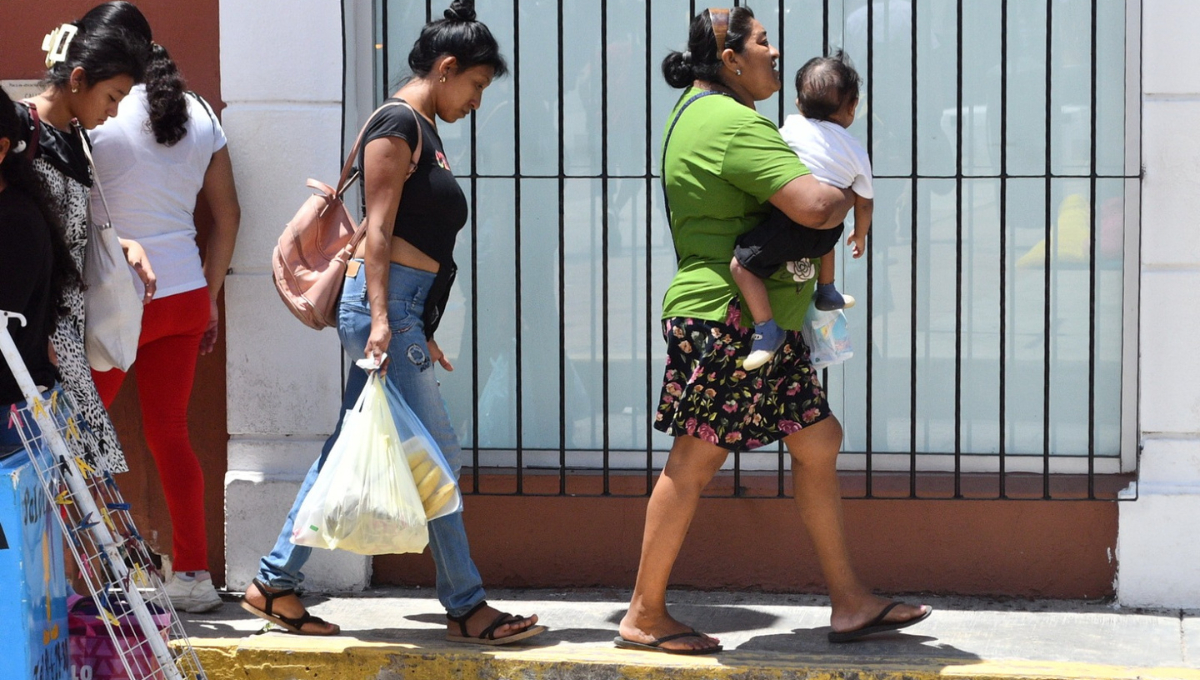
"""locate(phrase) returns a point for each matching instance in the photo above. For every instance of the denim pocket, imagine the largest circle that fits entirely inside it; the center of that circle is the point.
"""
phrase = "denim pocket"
(401, 318)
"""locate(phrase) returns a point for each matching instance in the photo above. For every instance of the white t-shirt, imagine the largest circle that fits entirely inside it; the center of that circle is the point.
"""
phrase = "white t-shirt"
(832, 154)
(151, 188)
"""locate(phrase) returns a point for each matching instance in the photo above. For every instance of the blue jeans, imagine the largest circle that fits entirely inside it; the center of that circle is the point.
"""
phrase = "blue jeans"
(410, 370)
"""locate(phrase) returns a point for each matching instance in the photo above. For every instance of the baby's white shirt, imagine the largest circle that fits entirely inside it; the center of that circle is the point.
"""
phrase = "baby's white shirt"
(832, 154)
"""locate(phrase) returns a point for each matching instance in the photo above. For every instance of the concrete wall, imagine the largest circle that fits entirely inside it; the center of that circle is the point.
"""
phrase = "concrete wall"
(281, 62)
(1158, 553)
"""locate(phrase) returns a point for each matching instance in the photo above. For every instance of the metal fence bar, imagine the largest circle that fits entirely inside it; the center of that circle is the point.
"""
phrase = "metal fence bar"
(1003, 429)
(604, 236)
(1047, 338)
(958, 250)
(649, 188)
(1091, 436)
(562, 264)
(517, 364)
(913, 178)
(869, 410)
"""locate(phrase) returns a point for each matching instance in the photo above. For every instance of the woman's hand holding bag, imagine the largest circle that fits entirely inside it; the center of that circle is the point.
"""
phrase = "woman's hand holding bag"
(364, 499)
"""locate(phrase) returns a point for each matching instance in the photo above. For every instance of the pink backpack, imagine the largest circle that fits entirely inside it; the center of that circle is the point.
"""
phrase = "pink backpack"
(309, 262)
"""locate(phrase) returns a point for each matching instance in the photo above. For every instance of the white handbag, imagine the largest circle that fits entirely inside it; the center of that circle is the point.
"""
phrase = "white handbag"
(112, 300)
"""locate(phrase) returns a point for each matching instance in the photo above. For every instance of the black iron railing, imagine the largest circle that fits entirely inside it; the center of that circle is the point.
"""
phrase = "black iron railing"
(876, 466)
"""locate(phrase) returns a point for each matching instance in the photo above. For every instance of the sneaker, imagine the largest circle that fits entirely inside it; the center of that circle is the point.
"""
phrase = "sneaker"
(195, 595)
(827, 298)
(768, 337)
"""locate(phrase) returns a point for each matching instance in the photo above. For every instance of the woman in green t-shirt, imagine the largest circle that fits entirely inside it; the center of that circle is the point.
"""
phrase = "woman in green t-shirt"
(724, 166)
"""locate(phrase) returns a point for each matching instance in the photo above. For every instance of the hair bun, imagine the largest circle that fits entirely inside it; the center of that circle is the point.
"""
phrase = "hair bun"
(461, 11)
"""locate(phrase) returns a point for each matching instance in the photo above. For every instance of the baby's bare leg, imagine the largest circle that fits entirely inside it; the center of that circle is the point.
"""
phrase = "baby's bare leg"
(828, 268)
(754, 290)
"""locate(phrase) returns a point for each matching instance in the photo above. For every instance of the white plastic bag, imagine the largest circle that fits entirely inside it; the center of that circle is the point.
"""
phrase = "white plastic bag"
(436, 483)
(827, 337)
(364, 499)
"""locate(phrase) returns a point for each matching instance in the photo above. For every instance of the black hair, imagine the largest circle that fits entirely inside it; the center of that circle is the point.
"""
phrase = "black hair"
(18, 172)
(103, 52)
(825, 84)
(458, 35)
(700, 61)
(165, 86)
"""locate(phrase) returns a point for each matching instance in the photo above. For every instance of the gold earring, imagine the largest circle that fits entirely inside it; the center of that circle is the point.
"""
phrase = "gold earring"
(74, 89)
(443, 78)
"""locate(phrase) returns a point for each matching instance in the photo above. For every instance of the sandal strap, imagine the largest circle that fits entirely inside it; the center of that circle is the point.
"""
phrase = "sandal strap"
(270, 596)
(462, 620)
(489, 633)
(299, 621)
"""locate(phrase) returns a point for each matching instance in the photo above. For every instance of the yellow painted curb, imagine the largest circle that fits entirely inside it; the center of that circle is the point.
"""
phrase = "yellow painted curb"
(280, 657)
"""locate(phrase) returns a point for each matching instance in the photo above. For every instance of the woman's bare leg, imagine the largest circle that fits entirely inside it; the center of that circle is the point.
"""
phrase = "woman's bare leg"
(814, 452)
(690, 466)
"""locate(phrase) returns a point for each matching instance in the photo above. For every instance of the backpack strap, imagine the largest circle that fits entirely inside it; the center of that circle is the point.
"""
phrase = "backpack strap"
(345, 180)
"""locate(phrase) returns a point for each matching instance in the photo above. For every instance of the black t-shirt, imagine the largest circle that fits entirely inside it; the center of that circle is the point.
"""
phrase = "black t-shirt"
(26, 261)
(433, 208)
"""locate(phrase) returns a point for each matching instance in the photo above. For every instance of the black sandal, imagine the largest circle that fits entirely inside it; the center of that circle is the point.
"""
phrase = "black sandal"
(488, 635)
(290, 624)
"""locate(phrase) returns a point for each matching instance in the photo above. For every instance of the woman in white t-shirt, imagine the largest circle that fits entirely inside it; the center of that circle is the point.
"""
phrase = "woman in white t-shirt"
(163, 148)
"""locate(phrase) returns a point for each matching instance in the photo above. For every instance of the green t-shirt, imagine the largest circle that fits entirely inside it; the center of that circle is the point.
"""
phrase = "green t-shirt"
(724, 162)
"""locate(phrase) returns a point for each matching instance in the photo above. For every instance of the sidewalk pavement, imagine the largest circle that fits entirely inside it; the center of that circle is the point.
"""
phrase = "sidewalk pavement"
(395, 633)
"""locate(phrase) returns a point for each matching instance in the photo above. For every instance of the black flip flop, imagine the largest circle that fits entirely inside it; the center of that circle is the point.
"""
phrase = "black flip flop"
(488, 636)
(656, 646)
(877, 625)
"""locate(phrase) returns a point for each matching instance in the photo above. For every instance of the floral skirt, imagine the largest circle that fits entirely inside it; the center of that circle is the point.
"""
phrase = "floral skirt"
(707, 394)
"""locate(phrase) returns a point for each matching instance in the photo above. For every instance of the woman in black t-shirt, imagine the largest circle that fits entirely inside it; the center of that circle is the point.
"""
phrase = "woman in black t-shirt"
(35, 265)
(393, 295)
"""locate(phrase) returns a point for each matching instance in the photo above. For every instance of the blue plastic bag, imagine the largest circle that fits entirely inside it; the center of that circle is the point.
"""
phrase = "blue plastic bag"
(827, 337)
(436, 482)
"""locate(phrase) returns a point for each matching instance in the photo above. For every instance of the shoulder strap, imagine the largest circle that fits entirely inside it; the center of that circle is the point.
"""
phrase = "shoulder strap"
(662, 168)
(345, 180)
(87, 151)
(212, 116)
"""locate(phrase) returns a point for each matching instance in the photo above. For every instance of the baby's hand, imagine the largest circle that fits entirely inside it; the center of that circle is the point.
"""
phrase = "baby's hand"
(858, 244)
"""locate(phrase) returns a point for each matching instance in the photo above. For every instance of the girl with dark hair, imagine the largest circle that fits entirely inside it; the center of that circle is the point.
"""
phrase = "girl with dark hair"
(162, 149)
(394, 294)
(35, 266)
(91, 69)
(724, 166)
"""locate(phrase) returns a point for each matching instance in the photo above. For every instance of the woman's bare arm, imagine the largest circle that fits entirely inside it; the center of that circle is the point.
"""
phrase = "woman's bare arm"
(813, 204)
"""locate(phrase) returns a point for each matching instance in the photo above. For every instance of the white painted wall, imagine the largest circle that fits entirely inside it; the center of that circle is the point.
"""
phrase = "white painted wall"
(281, 76)
(1157, 550)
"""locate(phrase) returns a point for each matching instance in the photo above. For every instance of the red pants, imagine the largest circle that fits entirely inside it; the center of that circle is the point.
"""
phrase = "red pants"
(166, 366)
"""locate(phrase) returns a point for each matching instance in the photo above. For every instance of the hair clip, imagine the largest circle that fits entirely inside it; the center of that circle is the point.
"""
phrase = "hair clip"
(19, 147)
(56, 42)
(719, 18)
